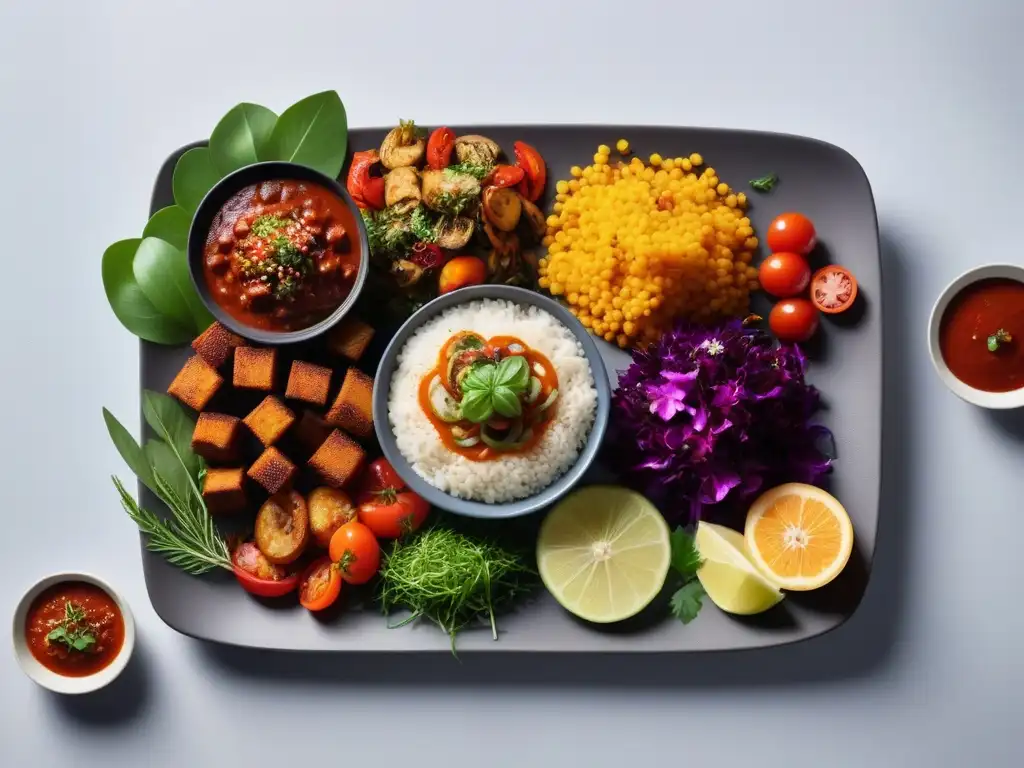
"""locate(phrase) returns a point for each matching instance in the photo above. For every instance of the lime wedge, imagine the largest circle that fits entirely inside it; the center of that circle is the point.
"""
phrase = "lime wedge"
(729, 576)
(603, 553)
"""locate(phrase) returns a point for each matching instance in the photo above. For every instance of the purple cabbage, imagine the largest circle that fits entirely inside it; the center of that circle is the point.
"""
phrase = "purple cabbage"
(709, 417)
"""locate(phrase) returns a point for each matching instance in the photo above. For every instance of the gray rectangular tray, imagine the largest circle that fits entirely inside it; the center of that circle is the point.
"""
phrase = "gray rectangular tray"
(818, 179)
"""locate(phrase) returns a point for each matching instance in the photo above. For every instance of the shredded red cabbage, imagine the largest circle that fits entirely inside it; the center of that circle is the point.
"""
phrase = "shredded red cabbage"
(708, 417)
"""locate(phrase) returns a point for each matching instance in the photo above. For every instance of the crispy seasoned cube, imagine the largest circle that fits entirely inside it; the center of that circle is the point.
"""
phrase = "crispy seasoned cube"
(311, 431)
(216, 437)
(350, 338)
(195, 383)
(273, 470)
(309, 383)
(255, 368)
(269, 420)
(353, 409)
(338, 460)
(224, 490)
(216, 344)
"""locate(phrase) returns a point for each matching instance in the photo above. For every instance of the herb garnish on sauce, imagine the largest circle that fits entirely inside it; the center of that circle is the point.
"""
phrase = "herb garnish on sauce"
(73, 630)
(997, 339)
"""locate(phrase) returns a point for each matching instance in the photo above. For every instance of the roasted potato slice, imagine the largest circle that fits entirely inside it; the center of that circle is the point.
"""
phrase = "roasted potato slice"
(478, 150)
(504, 243)
(402, 147)
(455, 233)
(406, 273)
(329, 509)
(282, 527)
(401, 184)
(502, 207)
(533, 218)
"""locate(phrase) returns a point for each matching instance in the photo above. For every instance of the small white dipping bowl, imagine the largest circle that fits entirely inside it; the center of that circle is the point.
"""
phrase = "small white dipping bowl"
(994, 400)
(51, 680)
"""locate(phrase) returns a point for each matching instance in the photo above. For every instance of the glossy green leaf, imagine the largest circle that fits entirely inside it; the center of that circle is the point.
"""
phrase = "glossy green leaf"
(312, 132)
(514, 373)
(480, 377)
(161, 270)
(174, 484)
(171, 422)
(242, 137)
(129, 449)
(131, 305)
(194, 176)
(506, 402)
(476, 405)
(170, 224)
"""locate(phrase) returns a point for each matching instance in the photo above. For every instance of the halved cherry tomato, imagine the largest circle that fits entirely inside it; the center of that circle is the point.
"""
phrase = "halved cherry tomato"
(367, 191)
(529, 159)
(506, 176)
(386, 506)
(319, 585)
(380, 475)
(460, 272)
(833, 289)
(439, 148)
(356, 551)
(793, 320)
(791, 232)
(784, 274)
(259, 576)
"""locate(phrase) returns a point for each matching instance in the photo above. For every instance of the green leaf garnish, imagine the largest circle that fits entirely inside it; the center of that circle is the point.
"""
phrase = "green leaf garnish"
(997, 339)
(194, 176)
(242, 137)
(513, 372)
(468, 169)
(686, 560)
(312, 132)
(477, 406)
(686, 602)
(268, 224)
(170, 224)
(765, 183)
(162, 273)
(506, 402)
(491, 388)
(421, 225)
(73, 630)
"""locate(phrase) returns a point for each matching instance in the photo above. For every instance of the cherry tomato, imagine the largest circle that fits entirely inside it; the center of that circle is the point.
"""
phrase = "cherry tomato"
(793, 320)
(319, 585)
(379, 476)
(529, 159)
(833, 289)
(259, 576)
(791, 232)
(460, 272)
(367, 191)
(506, 176)
(356, 551)
(386, 506)
(784, 274)
(439, 148)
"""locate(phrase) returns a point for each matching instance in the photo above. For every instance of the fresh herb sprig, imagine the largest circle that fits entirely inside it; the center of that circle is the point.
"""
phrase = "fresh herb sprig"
(765, 183)
(686, 602)
(476, 170)
(491, 388)
(997, 339)
(452, 579)
(422, 226)
(169, 468)
(73, 630)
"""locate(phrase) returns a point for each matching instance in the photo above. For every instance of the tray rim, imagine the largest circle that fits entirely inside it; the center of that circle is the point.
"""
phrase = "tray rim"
(166, 167)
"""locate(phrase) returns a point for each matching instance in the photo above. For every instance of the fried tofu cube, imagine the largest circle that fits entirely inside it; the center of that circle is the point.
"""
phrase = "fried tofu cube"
(350, 338)
(338, 460)
(269, 420)
(311, 431)
(353, 407)
(224, 490)
(216, 344)
(273, 470)
(255, 368)
(216, 437)
(309, 383)
(196, 383)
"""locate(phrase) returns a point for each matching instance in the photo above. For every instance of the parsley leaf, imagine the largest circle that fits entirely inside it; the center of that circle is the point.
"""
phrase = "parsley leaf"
(685, 558)
(765, 183)
(686, 602)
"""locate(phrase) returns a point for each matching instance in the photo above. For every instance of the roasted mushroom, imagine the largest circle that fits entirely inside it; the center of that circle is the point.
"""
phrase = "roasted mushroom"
(534, 220)
(477, 150)
(451, 193)
(454, 233)
(501, 266)
(504, 243)
(402, 147)
(401, 184)
(406, 273)
(502, 207)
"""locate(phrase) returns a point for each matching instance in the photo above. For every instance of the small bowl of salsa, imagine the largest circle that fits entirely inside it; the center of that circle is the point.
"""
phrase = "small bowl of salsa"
(976, 336)
(72, 633)
(278, 252)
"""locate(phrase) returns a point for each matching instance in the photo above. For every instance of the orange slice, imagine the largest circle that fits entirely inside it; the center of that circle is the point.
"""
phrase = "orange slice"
(799, 536)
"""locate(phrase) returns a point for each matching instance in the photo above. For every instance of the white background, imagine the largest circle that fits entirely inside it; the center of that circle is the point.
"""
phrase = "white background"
(927, 95)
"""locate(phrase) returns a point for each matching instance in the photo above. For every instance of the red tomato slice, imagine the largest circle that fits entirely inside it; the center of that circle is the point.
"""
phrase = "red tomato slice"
(259, 576)
(791, 232)
(356, 551)
(506, 176)
(833, 289)
(439, 148)
(793, 320)
(320, 585)
(530, 160)
(784, 275)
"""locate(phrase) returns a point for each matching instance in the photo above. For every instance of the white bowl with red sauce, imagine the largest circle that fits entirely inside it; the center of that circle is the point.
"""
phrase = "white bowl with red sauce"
(70, 662)
(976, 336)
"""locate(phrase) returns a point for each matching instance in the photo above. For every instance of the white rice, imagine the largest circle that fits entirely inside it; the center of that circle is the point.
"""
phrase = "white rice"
(511, 477)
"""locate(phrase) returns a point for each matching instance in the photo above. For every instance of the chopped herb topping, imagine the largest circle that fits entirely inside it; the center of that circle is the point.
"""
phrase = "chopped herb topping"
(997, 339)
(765, 183)
(468, 169)
(265, 226)
(73, 630)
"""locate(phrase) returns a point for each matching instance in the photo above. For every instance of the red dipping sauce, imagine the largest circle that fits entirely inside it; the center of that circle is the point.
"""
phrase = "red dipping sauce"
(95, 615)
(988, 308)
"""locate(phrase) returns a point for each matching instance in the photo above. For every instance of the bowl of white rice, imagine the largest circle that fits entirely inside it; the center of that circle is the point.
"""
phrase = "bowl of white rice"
(506, 485)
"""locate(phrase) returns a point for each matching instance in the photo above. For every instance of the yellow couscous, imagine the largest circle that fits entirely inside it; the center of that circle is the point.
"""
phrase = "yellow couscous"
(632, 246)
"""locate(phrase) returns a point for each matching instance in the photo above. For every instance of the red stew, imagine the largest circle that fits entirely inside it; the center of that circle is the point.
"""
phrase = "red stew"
(982, 335)
(74, 629)
(282, 255)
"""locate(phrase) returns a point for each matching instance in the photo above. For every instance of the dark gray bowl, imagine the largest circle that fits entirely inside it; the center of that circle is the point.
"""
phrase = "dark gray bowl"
(220, 194)
(438, 498)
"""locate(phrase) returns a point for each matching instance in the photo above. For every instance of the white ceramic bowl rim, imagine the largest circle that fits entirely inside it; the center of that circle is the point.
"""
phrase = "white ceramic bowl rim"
(979, 397)
(49, 679)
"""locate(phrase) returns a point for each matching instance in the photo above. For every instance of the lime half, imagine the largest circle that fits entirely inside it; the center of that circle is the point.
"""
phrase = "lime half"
(728, 574)
(604, 553)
